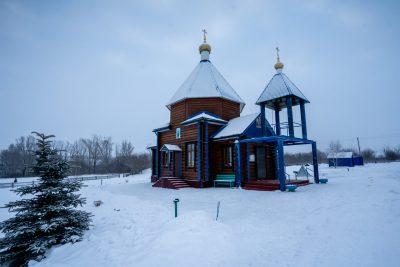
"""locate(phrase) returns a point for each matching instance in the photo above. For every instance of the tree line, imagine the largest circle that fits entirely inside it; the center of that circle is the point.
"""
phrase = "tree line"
(94, 155)
(387, 154)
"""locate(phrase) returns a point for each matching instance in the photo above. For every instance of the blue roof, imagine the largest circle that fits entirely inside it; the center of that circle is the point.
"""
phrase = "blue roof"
(239, 126)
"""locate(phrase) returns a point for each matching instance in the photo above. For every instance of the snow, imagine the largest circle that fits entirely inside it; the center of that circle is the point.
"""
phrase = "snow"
(236, 126)
(205, 116)
(168, 147)
(163, 127)
(354, 220)
(280, 86)
(340, 155)
(205, 81)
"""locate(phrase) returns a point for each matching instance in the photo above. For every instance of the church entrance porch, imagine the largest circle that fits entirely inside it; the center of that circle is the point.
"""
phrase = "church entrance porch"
(252, 177)
(260, 163)
(171, 161)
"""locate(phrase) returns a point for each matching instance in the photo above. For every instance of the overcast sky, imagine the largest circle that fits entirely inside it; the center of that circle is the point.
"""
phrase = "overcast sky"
(77, 68)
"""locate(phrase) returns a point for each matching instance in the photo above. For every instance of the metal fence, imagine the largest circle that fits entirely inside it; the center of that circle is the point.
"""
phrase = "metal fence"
(71, 178)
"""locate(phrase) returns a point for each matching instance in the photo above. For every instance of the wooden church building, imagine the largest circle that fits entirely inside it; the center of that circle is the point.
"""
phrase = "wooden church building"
(207, 138)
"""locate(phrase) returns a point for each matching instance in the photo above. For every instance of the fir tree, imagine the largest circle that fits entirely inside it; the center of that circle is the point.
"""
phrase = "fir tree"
(48, 216)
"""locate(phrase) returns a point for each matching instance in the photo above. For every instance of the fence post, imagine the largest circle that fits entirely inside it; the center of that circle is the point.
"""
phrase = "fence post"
(176, 200)
(218, 205)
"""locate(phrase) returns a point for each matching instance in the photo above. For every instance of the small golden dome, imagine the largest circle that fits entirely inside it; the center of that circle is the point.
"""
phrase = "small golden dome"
(205, 47)
(278, 65)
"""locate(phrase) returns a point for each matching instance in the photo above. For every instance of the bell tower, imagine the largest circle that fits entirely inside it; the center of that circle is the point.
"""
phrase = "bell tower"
(281, 93)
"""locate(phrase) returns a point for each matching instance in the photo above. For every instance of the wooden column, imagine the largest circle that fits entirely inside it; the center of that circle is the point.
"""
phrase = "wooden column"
(206, 169)
(290, 115)
(248, 161)
(157, 156)
(262, 112)
(303, 119)
(198, 151)
(280, 166)
(315, 162)
(238, 176)
(277, 121)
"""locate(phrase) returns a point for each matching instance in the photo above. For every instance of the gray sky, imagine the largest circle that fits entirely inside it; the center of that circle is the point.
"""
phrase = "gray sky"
(77, 68)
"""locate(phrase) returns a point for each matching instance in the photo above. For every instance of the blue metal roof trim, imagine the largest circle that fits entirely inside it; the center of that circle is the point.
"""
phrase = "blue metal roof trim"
(247, 130)
(270, 139)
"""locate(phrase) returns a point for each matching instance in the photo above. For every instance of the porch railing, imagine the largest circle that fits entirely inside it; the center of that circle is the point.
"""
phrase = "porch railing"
(285, 126)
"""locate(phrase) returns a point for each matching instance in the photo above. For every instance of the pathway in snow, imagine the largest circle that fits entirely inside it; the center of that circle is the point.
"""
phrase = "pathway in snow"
(354, 220)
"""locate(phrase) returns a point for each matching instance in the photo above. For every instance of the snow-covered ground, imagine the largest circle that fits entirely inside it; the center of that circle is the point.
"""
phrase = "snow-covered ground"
(354, 220)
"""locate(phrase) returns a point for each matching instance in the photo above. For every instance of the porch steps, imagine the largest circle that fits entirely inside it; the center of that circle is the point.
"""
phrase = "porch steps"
(171, 183)
(271, 185)
(259, 187)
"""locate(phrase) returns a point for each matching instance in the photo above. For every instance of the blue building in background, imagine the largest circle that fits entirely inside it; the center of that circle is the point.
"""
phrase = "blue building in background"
(344, 159)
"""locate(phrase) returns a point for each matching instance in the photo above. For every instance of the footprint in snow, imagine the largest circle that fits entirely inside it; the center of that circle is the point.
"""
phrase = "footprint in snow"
(394, 192)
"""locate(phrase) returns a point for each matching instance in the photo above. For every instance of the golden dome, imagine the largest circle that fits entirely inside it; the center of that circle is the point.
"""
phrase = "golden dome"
(205, 47)
(278, 65)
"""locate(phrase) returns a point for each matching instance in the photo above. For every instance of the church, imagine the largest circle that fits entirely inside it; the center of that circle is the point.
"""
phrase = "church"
(208, 143)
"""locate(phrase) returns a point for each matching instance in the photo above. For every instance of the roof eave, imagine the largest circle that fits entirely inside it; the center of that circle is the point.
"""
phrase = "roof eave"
(222, 138)
(271, 103)
(162, 129)
(241, 103)
(203, 120)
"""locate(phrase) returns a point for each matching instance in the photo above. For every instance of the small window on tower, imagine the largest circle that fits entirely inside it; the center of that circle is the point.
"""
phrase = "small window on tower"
(258, 122)
(178, 133)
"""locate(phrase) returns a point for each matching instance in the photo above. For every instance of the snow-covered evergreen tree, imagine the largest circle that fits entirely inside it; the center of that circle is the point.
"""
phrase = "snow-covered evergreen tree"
(48, 216)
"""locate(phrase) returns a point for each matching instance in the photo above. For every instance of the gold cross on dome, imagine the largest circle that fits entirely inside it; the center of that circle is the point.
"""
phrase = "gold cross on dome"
(277, 53)
(204, 35)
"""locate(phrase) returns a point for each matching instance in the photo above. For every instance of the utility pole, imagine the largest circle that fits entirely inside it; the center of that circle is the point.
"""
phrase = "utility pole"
(358, 143)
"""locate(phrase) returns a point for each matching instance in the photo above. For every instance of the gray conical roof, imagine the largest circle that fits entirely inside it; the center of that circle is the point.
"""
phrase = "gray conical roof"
(279, 86)
(206, 81)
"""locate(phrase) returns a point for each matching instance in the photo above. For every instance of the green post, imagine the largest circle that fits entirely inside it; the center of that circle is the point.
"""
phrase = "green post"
(176, 200)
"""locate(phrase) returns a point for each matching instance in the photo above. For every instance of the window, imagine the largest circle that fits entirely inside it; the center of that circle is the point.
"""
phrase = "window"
(227, 156)
(258, 122)
(190, 155)
(165, 158)
(178, 133)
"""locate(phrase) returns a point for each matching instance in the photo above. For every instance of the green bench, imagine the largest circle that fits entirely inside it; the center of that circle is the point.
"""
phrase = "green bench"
(225, 179)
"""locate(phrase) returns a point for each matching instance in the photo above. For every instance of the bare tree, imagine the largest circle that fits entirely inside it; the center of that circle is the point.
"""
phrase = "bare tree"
(368, 155)
(78, 155)
(86, 155)
(99, 150)
(126, 149)
(334, 147)
(105, 145)
(17, 159)
(391, 154)
(93, 149)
